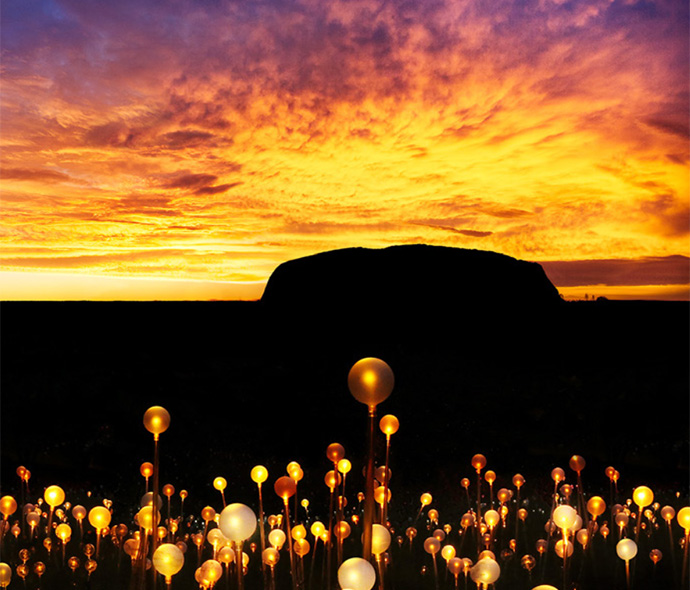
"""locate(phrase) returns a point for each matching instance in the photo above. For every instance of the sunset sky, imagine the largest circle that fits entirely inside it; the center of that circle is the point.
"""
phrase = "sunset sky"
(183, 149)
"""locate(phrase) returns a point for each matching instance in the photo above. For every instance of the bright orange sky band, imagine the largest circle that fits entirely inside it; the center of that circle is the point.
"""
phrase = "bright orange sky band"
(182, 150)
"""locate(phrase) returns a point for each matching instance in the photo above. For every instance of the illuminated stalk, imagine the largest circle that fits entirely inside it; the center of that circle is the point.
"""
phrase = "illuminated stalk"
(313, 560)
(384, 507)
(169, 527)
(565, 558)
(154, 507)
(685, 560)
(517, 518)
(261, 527)
(293, 574)
(379, 565)
(433, 555)
(273, 578)
(329, 546)
(369, 491)
(238, 564)
(479, 511)
(627, 574)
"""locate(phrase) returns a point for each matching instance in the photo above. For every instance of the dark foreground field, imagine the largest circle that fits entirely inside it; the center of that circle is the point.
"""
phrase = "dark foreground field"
(605, 380)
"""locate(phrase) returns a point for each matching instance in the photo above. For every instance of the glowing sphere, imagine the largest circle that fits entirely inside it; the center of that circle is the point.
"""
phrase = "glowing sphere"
(156, 420)
(563, 547)
(301, 547)
(285, 487)
(335, 452)
(5, 575)
(643, 496)
(432, 545)
(518, 480)
(557, 474)
(277, 538)
(63, 532)
(426, 499)
(684, 518)
(448, 552)
(380, 539)
(465, 482)
(237, 522)
(146, 469)
(544, 587)
(380, 495)
(389, 424)
(296, 474)
(344, 466)
(342, 530)
(626, 549)
(168, 559)
(433, 515)
(485, 571)
(216, 537)
(270, 556)
(564, 516)
(490, 476)
(259, 474)
(492, 518)
(168, 490)
(211, 571)
(370, 381)
(655, 555)
(478, 462)
(8, 506)
(332, 479)
(147, 500)
(145, 518)
(356, 573)
(528, 562)
(208, 513)
(226, 555)
(99, 517)
(54, 496)
(455, 565)
(596, 506)
(577, 463)
(298, 532)
(220, 483)
(317, 528)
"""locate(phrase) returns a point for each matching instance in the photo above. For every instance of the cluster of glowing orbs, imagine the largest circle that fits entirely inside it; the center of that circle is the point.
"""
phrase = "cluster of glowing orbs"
(54, 496)
(259, 474)
(99, 517)
(626, 549)
(370, 381)
(380, 539)
(156, 420)
(486, 571)
(168, 559)
(285, 487)
(237, 522)
(565, 516)
(356, 574)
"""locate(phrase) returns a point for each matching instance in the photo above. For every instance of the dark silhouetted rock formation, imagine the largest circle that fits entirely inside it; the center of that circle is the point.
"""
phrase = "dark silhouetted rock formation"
(417, 287)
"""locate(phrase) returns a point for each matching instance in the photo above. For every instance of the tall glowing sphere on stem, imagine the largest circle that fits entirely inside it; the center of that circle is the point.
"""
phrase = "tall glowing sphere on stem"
(626, 549)
(156, 420)
(478, 462)
(389, 424)
(54, 496)
(220, 483)
(370, 381)
(99, 517)
(335, 452)
(486, 571)
(168, 559)
(8, 506)
(285, 487)
(356, 574)
(259, 474)
(683, 518)
(5, 575)
(564, 516)
(380, 539)
(596, 506)
(237, 522)
(643, 496)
